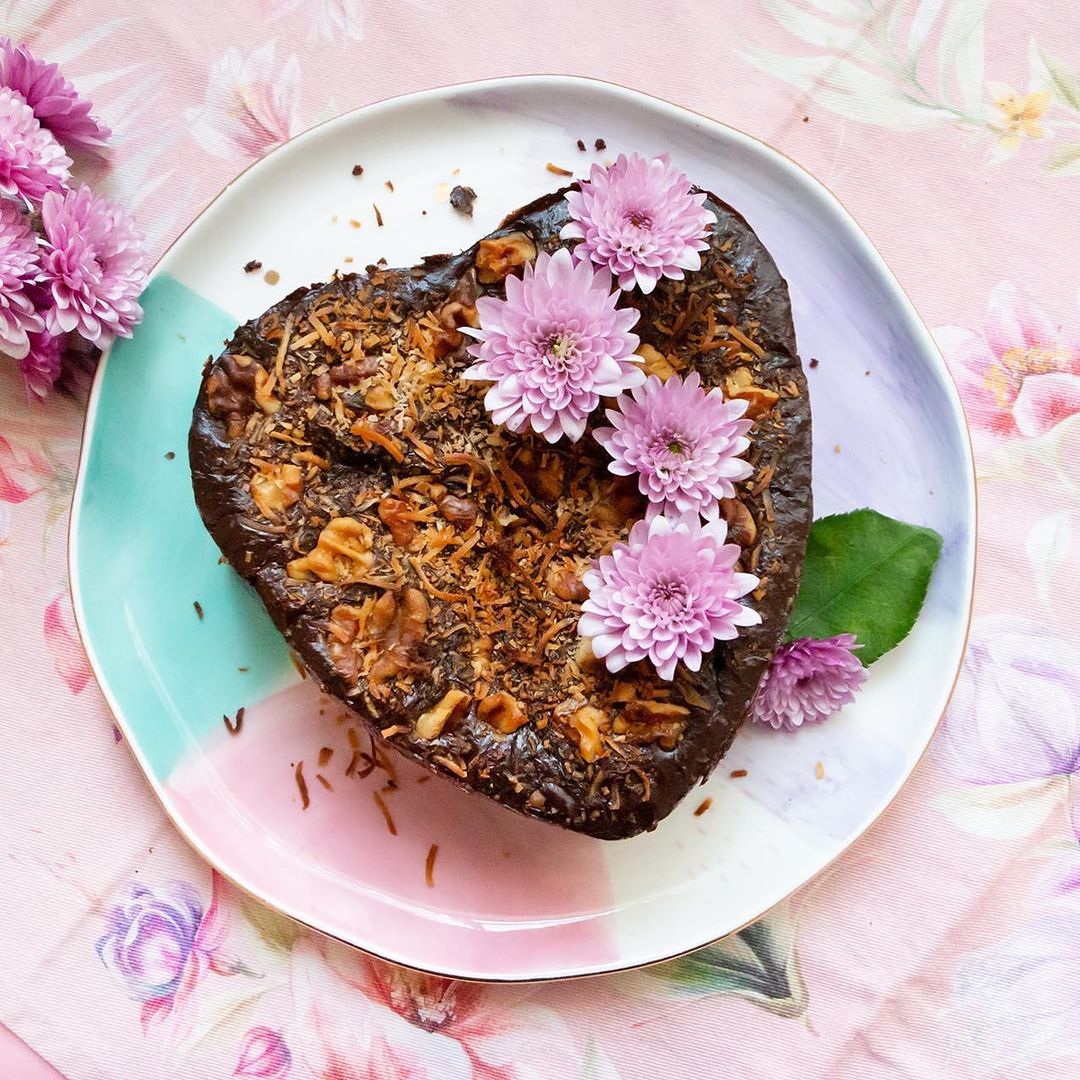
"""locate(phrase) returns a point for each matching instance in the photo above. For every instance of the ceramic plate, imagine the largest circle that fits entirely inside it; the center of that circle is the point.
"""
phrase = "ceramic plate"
(512, 899)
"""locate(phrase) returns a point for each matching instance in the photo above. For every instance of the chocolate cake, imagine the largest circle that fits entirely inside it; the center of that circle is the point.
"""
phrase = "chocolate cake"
(427, 565)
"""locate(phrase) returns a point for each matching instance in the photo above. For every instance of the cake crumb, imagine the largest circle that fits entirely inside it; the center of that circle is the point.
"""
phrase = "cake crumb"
(252, 265)
(333, 219)
(462, 199)
(819, 771)
(198, 609)
(271, 277)
(358, 170)
(347, 259)
(738, 774)
(429, 866)
(706, 803)
(806, 119)
(354, 223)
(600, 144)
(558, 170)
(169, 455)
(390, 186)
(301, 783)
(836, 449)
(454, 172)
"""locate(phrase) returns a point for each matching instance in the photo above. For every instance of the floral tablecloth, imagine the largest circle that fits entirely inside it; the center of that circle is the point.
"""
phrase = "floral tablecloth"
(945, 943)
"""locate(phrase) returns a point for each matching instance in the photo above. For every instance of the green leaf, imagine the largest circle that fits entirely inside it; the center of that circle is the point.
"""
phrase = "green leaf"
(1065, 159)
(278, 931)
(865, 574)
(1065, 80)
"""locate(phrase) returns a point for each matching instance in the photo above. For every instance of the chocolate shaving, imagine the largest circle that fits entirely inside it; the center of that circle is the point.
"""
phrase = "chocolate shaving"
(600, 144)
(234, 726)
(169, 455)
(429, 865)
(385, 813)
(390, 185)
(358, 170)
(325, 754)
(706, 803)
(325, 783)
(198, 609)
(378, 215)
(252, 265)
(581, 145)
(301, 783)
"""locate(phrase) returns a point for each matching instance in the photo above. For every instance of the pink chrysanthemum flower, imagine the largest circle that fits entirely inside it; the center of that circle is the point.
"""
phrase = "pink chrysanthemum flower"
(640, 219)
(54, 101)
(670, 593)
(40, 367)
(554, 347)
(807, 681)
(18, 268)
(32, 162)
(683, 442)
(93, 265)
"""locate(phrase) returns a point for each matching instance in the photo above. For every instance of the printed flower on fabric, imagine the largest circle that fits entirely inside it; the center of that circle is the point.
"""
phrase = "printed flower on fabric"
(53, 100)
(251, 103)
(554, 347)
(667, 595)
(1021, 373)
(264, 1053)
(23, 472)
(160, 945)
(92, 264)
(19, 268)
(1015, 715)
(62, 638)
(682, 441)
(640, 220)
(357, 1018)
(326, 20)
(1020, 114)
(807, 681)
(32, 162)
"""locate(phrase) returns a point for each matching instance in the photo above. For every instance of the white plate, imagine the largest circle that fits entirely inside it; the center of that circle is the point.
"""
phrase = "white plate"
(513, 899)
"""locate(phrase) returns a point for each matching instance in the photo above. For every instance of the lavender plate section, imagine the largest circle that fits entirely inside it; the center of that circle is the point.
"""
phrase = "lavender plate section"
(510, 899)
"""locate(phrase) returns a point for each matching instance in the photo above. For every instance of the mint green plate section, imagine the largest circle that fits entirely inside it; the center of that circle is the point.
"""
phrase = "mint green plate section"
(141, 556)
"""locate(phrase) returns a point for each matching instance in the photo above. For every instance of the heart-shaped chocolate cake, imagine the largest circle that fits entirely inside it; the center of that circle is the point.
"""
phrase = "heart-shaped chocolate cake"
(431, 565)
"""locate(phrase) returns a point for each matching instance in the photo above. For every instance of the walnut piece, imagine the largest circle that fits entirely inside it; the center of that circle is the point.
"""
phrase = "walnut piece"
(341, 554)
(656, 363)
(502, 712)
(458, 510)
(264, 392)
(380, 396)
(429, 725)
(399, 629)
(739, 384)
(741, 527)
(275, 488)
(660, 722)
(564, 582)
(344, 626)
(402, 529)
(230, 390)
(497, 257)
(587, 723)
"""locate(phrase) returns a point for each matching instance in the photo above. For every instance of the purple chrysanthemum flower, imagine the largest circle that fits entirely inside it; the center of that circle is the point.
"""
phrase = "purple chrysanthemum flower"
(19, 267)
(640, 219)
(32, 162)
(40, 367)
(93, 265)
(670, 593)
(554, 347)
(807, 681)
(683, 442)
(54, 101)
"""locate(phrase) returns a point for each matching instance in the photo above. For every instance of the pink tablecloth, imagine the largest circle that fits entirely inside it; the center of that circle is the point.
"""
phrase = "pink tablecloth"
(946, 942)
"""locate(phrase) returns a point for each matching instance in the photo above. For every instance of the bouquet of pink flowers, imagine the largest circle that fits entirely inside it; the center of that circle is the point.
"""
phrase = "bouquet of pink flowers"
(72, 263)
